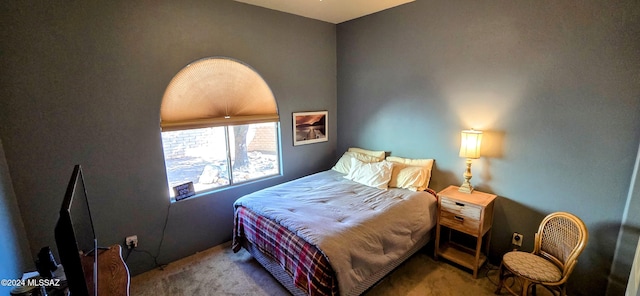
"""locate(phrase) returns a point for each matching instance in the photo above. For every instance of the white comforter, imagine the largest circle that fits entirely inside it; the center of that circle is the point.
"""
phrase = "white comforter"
(359, 228)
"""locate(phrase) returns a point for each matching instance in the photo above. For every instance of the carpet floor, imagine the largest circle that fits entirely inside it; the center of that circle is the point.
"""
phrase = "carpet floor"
(219, 271)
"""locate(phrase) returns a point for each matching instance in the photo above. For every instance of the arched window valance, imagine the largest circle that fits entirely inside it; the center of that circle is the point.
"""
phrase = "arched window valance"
(216, 92)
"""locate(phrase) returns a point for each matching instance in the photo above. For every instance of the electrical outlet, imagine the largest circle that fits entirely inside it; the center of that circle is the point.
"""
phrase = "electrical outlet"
(516, 239)
(131, 240)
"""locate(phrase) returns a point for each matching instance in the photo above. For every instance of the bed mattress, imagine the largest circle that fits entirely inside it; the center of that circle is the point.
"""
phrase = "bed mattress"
(336, 232)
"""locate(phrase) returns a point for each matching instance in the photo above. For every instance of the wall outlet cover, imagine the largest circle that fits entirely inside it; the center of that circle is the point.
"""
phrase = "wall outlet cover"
(516, 239)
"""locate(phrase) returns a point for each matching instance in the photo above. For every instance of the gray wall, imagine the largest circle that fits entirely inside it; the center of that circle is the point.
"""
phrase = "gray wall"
(14, 247)
(82, 84)
(554, 85)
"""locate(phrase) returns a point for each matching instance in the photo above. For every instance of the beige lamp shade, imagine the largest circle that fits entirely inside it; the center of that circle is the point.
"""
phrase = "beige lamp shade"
(470, 143)
(216, 92)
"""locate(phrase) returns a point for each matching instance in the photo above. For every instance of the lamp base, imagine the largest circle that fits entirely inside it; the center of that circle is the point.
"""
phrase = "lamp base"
(466, 187)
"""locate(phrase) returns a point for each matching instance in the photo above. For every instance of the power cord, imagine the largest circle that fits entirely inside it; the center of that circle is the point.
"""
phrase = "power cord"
(490, 267)
(129, 250)
(132, 249)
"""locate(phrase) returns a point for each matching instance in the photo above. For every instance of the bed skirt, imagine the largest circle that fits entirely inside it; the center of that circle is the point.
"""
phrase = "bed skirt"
(273, 267)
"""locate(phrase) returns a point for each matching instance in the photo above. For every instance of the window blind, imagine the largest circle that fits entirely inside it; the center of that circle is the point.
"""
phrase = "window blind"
(216, 92)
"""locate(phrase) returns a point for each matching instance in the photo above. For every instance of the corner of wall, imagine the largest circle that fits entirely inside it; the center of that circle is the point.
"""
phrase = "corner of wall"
(627, 236)
(14, 247)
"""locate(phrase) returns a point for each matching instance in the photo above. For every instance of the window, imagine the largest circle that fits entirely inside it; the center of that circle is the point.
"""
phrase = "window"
(219, 126)
(218, 156)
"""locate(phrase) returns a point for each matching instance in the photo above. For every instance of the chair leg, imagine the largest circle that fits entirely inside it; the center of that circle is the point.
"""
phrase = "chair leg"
(525, 287)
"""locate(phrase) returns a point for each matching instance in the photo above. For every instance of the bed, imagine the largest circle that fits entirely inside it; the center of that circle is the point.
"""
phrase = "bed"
(339, 231)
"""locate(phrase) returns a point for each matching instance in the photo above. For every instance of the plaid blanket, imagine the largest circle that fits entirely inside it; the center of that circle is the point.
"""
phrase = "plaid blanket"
(308, 267)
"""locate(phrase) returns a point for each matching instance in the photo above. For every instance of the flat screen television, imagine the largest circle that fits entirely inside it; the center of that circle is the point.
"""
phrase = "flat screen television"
(76, 239)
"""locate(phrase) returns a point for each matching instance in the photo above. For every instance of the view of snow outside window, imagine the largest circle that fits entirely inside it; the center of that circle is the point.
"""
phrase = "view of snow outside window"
(200, 155)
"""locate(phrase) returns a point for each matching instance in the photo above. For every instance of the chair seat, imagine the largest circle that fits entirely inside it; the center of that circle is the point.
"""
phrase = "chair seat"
(532, 266)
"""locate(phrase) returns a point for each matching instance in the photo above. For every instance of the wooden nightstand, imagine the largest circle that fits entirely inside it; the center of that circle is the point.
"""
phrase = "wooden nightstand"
(471, 214)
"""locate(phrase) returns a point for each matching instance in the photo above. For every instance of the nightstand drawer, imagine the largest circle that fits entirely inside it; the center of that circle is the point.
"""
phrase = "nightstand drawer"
(459, 222)
(461, 209)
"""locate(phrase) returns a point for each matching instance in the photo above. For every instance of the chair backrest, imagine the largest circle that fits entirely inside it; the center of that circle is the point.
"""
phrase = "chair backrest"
(561, 238)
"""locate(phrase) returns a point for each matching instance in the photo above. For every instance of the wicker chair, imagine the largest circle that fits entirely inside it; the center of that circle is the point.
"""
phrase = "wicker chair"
(559, 241)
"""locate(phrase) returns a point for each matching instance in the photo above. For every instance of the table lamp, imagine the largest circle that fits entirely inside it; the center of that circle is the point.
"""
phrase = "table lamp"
(469, 149)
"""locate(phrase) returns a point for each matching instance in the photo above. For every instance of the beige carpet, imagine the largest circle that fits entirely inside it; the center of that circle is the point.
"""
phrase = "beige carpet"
(218, 271)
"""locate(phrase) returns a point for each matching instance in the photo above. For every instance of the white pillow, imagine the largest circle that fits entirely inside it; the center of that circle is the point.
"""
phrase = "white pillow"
(377, 154)
(344, 163)
(408, 177)
(412, 174)
(374, 174)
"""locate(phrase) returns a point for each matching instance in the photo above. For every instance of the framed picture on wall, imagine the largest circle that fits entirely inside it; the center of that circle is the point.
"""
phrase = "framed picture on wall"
(310, 127)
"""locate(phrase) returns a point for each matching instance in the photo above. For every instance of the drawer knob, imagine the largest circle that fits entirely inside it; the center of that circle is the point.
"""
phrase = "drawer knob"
(459, 204)
(459, 218)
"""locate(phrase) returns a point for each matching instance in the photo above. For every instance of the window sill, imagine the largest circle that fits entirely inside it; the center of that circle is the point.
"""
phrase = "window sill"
(226, 188)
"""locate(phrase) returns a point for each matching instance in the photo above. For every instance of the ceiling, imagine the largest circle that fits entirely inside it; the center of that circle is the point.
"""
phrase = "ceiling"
(332, 11)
